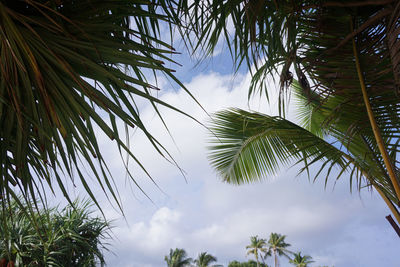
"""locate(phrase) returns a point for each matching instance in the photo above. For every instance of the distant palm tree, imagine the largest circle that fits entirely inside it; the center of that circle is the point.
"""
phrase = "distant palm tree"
(204, 260)
(256, 247)
(301, 261)
(177, 258)
(278, 246)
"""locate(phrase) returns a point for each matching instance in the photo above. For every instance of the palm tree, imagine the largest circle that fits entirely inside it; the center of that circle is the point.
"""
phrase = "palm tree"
(67, 237)
(71, 71)
(345, 57)
(256, 247)
(204, 260)
(278, 247)
(301, 261)
(177, 258)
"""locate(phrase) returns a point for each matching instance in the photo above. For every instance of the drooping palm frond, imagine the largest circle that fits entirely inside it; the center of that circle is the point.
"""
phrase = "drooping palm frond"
(334, 119)
(310, 38)
(345, 57)
(252, 30)
(313, 39)
(250, 147)
(70, 70)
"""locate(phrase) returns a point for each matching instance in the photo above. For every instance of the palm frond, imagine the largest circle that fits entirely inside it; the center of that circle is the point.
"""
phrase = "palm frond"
(248, 147)
(345, 58)
(308, 39)
(177, 258)
(251, 146)
(205, 259)
(69, 71)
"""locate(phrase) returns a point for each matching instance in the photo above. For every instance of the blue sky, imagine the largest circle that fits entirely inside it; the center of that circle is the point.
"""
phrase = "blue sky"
(200, 213)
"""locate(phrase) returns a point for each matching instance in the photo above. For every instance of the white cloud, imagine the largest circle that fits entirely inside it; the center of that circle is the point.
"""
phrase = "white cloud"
(204, 214)
(158, 233)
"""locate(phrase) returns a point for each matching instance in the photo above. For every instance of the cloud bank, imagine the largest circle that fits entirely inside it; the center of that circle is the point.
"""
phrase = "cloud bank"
(200, 213)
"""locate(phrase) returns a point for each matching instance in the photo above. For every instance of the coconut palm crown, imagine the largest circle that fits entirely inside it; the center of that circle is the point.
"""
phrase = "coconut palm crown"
(205, 260)
(178, 258)
(301, 261)
(278, 247)
(257, 248)
(342, 58)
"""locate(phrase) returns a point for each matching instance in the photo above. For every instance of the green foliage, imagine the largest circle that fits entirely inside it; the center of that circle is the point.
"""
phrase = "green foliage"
(276, 243)
(71, 70)
(249, 263)
(275, 246)
(301, 261)
(278, 247)
(256, 247)
(205, 260)
(332, 49)
(251, 146)
(52, 237)
(177, 258)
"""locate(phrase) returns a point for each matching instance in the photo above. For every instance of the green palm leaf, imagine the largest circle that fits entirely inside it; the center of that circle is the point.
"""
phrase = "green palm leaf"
(345, 57)
(205, 260)
(256, 247)
(69, 71)
(301, 261)
(278, 246)
(250, 147)
(67, 237)
(177, 258)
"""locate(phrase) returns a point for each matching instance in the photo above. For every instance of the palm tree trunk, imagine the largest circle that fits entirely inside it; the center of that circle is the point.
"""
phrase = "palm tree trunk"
(375, 128)
(276, 259)
(258, 263)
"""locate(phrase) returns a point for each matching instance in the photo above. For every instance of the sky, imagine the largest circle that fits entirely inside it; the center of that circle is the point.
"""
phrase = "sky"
(198, 212)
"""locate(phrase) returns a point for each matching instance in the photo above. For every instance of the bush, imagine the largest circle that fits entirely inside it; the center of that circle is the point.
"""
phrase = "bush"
(49, 237)
(250, 263)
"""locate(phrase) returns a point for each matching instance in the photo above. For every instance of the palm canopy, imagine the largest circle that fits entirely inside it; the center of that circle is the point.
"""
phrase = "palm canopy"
(301, 261)
(250, 146)
(56, 237)
(278, 246)
(69, 71)
(277, 243)
(205, 260)
(256, 247)
(310, 37)
(345, 57)
(177, 258)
